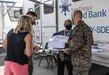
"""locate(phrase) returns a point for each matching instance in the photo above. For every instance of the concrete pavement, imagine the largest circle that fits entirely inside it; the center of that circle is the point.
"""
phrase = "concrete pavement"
(1, 70)
(42, 70)
(2, 55)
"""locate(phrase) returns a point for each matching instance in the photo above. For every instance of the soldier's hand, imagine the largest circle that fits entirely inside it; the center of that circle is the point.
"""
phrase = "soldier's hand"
(65, 51)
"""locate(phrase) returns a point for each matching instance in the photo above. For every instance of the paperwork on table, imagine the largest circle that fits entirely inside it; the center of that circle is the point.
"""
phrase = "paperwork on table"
(58, 41)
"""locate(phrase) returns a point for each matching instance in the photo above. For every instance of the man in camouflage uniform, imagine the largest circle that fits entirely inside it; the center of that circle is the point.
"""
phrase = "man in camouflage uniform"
(80, 47)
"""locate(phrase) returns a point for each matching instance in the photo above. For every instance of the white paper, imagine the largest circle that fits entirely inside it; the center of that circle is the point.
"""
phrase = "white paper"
(97, 50)
(61, 38)
(56, 44)
(58, 41)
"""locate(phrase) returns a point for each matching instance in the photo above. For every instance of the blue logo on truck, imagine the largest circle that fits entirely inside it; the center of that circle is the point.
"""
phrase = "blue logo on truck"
(65, 6)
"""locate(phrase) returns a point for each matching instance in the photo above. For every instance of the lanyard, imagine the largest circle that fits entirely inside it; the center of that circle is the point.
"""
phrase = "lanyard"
(67, 33)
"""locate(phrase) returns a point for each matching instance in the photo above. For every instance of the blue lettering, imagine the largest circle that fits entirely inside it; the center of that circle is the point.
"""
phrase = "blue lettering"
(85, 15)
(104, 13)
(94, 14)
(107, 29)
(92, 28)
(103, 29)
(91, 14)
(98, 29)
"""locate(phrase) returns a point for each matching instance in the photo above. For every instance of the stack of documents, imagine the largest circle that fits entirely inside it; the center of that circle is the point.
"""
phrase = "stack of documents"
(58, 41)
(97, 50)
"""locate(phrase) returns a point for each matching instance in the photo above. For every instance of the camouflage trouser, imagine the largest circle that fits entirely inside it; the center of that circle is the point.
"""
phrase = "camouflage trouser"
(30, 69)
(80, 70)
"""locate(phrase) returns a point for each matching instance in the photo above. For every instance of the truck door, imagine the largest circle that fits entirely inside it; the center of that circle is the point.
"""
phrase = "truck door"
(38, 29)
(1, 22)
(48, 20)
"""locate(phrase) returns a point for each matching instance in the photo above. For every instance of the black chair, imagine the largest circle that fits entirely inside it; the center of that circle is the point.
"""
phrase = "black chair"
(48, 55)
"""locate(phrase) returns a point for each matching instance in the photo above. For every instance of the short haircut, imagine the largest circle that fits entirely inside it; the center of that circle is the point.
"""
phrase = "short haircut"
(68, 21)
(79, 13)
(31, 13)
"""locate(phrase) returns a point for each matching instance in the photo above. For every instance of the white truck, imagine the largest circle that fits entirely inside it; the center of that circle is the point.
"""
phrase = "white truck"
(53, 13)
(51, 17)
(9, 13)
(1, 23)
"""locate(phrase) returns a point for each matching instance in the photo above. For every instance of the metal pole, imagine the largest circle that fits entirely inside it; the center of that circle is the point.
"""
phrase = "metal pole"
(2, 11)
(56, 4)
(41, 22)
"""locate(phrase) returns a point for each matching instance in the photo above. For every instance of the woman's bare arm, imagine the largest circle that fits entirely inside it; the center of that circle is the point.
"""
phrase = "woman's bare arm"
(28, 41)
(4, 44)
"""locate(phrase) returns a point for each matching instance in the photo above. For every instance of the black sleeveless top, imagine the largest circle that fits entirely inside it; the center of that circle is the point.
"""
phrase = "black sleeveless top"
(16, 47)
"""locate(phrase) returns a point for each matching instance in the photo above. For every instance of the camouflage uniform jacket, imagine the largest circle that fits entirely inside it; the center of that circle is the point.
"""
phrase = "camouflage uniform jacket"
(80, 46)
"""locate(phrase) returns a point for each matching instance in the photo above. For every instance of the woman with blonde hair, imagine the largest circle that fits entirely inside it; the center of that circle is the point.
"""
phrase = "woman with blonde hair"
(18, 44)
